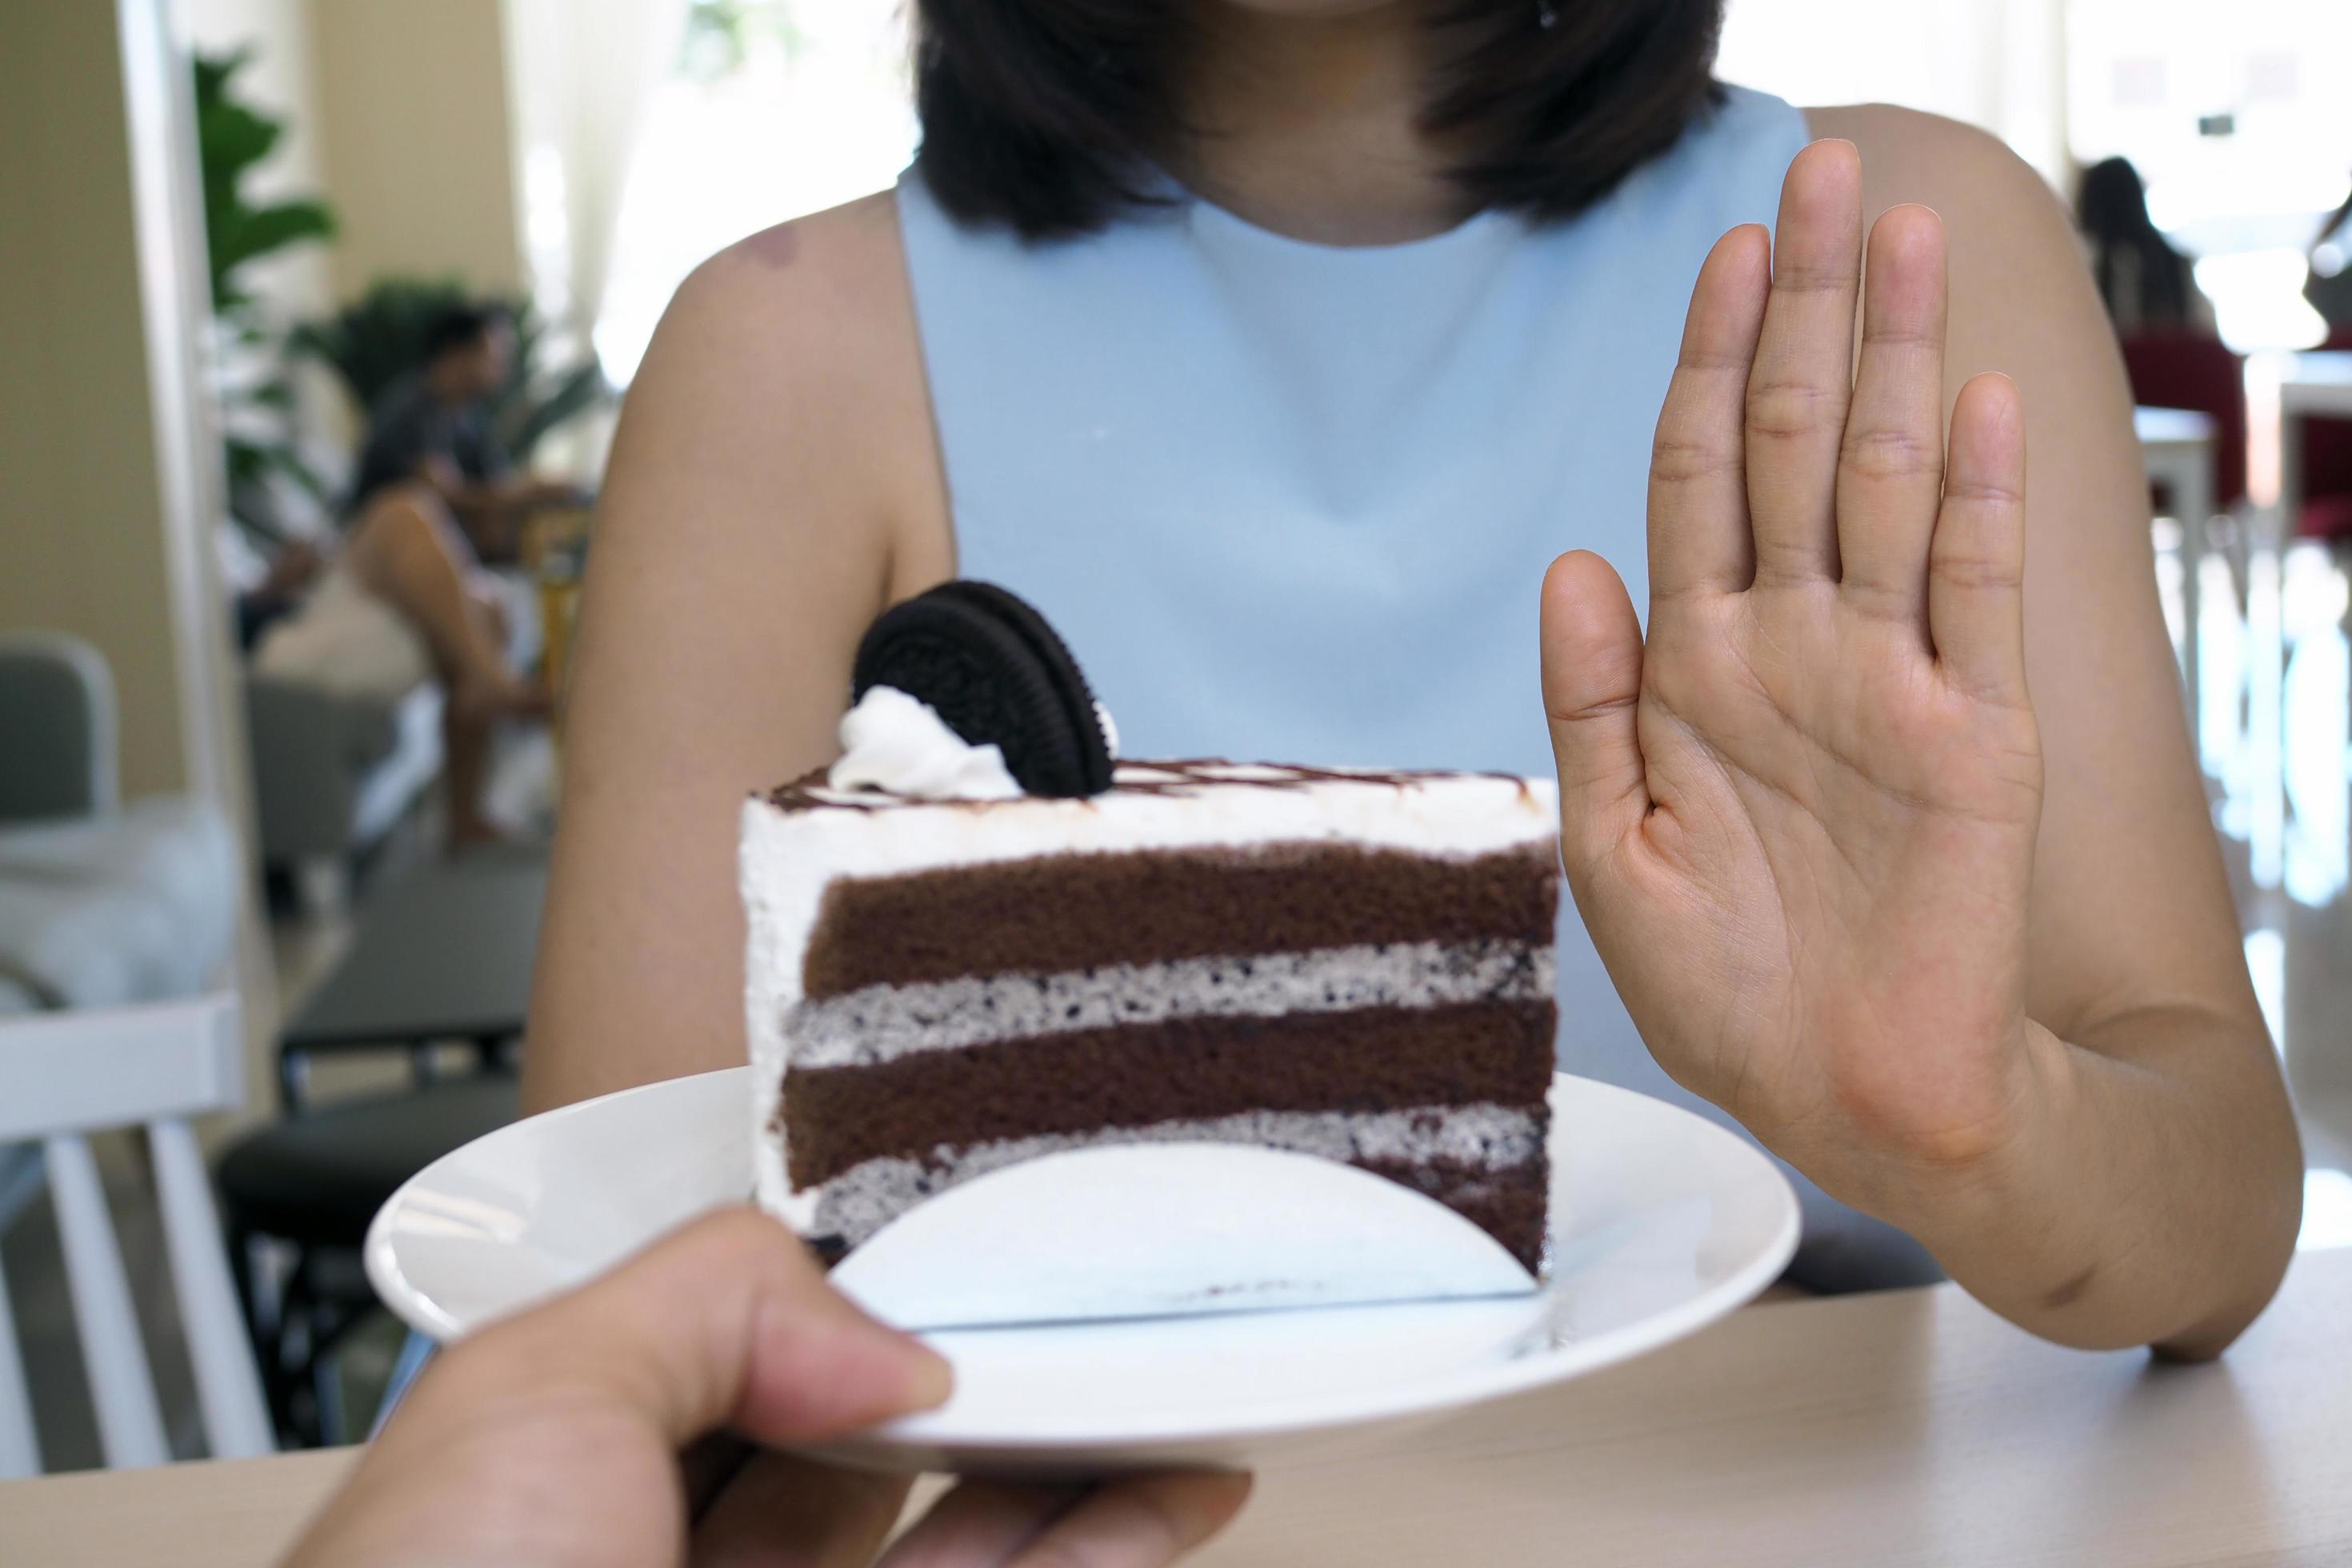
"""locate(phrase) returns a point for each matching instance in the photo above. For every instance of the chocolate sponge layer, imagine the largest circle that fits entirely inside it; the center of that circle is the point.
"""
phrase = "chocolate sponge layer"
(1511, 1204)
(1185, 1069)
(1066, 913)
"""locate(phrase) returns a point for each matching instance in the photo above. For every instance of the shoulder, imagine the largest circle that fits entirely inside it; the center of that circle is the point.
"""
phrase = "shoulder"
(2020, 291)
(820, 302)
(1963, 173)
(2001, 216)
(791, 358)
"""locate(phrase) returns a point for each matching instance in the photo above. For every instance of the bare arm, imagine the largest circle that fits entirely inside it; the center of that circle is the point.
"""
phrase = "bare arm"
(1888, 830)
(772, 487)
(2181, 1152)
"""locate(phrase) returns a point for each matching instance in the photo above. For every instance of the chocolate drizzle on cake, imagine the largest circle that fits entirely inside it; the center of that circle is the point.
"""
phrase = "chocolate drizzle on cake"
(1186, 777)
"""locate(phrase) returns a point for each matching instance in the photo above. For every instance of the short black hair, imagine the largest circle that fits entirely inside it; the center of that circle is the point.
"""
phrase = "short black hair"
(461, 327)
(1049, 116)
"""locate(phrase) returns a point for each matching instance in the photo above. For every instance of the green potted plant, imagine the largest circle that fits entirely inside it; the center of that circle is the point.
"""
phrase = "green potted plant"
(234, 138)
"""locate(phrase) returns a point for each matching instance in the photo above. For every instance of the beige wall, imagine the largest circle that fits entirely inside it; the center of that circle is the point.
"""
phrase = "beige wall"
(415, 127)
(82, 499)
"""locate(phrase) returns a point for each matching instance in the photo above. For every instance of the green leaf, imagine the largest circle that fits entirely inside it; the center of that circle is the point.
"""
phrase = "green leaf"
(233, 139)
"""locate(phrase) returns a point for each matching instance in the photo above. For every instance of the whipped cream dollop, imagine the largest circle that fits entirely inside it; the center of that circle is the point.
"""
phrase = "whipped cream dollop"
(893, 741)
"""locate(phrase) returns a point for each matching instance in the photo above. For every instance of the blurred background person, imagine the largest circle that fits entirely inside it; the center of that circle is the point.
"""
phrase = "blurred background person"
(2147, 284)
(2330, 287)
(434, 496)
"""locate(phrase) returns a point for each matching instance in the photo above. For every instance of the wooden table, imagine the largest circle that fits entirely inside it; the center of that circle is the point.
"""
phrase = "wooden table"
(1911, 1428)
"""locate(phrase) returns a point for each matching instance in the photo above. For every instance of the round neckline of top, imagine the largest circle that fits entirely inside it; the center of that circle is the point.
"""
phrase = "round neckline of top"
(1199, 208)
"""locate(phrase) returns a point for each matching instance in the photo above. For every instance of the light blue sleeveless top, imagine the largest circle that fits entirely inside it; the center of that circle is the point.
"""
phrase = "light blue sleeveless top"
(1293, 501)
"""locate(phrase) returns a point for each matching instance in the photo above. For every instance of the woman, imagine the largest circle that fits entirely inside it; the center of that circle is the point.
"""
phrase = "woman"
(1273, 347)
(2147, 285)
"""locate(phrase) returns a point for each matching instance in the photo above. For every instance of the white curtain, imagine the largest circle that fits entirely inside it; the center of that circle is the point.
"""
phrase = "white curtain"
(582, 73)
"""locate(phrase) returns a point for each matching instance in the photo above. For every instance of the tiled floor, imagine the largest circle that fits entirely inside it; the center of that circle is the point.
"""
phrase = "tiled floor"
(2276, 737)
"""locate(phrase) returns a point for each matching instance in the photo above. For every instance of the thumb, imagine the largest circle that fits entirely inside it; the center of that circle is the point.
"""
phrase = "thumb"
(1593, 686)
(726, 1323)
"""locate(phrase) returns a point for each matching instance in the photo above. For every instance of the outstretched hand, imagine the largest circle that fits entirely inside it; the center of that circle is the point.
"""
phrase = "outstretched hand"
(1799, 820)
(601, 1429)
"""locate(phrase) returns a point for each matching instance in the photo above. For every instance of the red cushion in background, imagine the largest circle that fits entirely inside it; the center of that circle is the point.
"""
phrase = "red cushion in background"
(2192, 370)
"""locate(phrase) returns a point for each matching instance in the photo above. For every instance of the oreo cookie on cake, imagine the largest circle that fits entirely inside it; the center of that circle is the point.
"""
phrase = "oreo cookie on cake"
(980, 938)
(996, 674)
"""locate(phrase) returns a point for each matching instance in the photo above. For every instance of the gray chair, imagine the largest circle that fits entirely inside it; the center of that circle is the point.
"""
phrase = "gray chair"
(106, 908)
(103, 904)
(333, 772)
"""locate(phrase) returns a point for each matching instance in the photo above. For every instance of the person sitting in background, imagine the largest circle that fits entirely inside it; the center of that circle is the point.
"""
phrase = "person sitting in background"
(2147, 285)
(2330, 287)
(433, 427)
(407, 599)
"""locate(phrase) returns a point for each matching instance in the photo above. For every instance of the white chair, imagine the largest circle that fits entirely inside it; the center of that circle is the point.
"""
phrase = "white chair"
(64, 1076)
(2175, 448)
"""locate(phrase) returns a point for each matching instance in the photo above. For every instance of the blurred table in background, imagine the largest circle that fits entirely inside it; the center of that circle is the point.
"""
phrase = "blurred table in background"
(2176, 449)
(446, 955)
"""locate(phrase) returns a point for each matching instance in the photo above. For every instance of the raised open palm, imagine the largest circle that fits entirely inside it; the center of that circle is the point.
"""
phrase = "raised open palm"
(1800, 821)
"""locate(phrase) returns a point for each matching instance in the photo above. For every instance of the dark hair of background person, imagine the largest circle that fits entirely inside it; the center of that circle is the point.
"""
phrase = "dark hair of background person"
(1050, 116)
(2144, 280)
(2335, 220)
(460, 327)
(2330, 292)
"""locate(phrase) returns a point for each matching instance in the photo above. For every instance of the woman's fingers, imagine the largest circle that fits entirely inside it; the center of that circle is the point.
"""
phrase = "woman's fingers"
(1797, 392)
(980, 1522)
(1976, 567)
(1142, 1523)
(1139, 1524)
(786, 1510)
(1592, 688)
(1698, 487)
(1891, 471)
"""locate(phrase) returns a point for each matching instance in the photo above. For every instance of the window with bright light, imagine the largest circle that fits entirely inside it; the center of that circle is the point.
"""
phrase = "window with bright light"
(775, 109)
(2240, 120)
(2238, 117)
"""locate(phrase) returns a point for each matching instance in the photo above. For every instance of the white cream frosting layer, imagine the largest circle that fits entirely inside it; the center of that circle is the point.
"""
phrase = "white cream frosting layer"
(882, 1023)
(897, 743)
(1488, 1138)
(788, 857)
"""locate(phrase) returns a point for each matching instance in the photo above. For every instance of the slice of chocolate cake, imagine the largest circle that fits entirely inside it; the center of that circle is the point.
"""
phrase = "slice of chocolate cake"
(975, 941)
(1349, 964)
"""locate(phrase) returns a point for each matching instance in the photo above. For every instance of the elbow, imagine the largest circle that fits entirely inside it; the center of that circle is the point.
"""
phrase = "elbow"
(2275, 1191)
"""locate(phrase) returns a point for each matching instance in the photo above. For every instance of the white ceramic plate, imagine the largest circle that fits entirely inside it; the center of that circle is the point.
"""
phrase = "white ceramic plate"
(1662, 1223)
